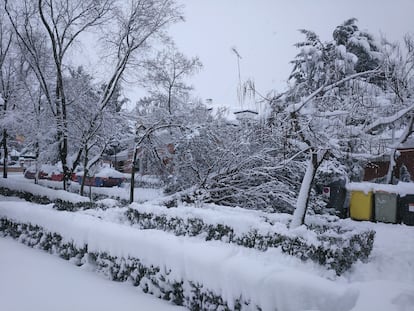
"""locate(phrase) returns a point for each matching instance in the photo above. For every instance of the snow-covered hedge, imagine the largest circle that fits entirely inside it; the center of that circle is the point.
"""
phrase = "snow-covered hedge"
(328, 244)
(147, 181)
(61, 199)
(197, 274)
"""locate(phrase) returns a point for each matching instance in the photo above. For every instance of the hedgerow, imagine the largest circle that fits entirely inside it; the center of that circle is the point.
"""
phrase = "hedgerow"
(337, 248)
(150, 279)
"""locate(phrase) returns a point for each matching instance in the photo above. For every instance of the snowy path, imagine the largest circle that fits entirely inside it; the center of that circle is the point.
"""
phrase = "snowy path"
(31, 279)
(392, 258)
(386, 282)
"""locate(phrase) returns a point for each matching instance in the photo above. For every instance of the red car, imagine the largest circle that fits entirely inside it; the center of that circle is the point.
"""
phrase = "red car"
(31, 175)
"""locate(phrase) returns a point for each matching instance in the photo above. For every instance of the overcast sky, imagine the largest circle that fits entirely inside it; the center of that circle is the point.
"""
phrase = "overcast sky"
(264, 31)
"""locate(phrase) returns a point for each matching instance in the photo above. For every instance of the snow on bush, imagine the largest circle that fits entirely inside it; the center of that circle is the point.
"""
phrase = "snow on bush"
(38, 190)
(147, 181)
(189, 272)
(120, 193)
(62, 200)
(329, 244)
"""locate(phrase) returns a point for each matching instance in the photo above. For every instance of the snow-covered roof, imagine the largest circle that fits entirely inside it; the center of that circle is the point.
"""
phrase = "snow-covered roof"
(246, 111)
(390, 137)
(120, 156)
(409, 144)
(29, 155)
(14, 153)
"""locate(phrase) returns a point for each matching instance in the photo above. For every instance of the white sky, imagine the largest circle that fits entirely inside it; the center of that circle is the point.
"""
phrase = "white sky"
(264, 32)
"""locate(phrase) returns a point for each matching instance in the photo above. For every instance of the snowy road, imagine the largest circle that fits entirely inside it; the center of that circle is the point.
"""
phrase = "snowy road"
(31, 279)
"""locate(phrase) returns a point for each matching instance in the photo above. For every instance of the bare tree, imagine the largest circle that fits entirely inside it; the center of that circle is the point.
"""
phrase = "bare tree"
(63, 22)
(7, 82)
(166, 75)
(134, 25)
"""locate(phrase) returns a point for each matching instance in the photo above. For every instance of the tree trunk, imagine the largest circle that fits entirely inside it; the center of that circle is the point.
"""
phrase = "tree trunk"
(392, 168)
(6, 153)
(169, 99)
(299, 214)
(85, 172)
(131, 191)
(63, 150)
(37, 165)
(82, 188)
(61, 114)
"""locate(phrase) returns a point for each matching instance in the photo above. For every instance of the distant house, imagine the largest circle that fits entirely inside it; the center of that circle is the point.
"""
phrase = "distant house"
(246, 116)
(123, 160)
(404, 164)
(27, 158)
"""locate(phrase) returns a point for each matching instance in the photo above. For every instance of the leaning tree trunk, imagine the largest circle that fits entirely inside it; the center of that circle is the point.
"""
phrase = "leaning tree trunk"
(302, 201)
(392, 168)
(393, 157)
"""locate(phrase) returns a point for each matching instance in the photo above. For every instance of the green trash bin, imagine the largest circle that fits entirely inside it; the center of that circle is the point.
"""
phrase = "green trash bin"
(386, 207)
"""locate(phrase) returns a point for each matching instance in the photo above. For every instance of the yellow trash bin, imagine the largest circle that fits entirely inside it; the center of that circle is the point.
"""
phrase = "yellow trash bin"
(361, 204)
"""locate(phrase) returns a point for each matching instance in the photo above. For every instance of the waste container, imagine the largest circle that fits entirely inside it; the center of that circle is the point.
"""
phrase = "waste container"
(386, 207)
(406, 206)
(337, 195)
(360, 205)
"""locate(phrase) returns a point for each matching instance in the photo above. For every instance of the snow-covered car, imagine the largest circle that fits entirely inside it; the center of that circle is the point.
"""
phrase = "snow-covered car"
(30, 174)
(106, 177)
(45, 171)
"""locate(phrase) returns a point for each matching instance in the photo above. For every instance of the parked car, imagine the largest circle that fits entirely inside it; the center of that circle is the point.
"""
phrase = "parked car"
(31, 174)
(47, 171)
(105, 177)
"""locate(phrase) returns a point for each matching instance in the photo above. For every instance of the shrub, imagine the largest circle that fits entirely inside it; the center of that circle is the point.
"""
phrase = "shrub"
(336, 249)
(58, 204)
(151, 279)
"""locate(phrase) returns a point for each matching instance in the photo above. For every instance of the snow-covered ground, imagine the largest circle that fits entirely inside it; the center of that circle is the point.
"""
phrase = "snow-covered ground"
(31, 279)
(385, 283)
